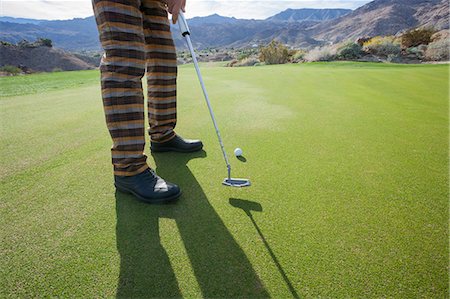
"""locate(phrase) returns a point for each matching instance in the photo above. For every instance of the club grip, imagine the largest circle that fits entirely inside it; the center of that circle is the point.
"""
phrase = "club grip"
(184, 28)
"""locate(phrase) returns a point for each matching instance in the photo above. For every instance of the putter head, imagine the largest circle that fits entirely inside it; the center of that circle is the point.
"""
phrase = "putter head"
(230, 182)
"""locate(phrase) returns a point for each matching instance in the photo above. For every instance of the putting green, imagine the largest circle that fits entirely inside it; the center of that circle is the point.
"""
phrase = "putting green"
(349, 165)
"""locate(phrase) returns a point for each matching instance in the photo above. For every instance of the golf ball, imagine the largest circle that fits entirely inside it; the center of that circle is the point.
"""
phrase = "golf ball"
(238, 152)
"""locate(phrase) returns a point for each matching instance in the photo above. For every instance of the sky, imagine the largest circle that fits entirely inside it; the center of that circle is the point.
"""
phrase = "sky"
(244, 9)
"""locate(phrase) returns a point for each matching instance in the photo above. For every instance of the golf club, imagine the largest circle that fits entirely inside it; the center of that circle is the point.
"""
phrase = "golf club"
(231, 182)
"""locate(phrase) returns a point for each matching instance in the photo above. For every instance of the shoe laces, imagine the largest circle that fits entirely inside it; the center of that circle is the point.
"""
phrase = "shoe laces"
(153, 176)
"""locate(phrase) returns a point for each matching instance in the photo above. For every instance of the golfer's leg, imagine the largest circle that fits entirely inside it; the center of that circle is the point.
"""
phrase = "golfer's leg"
(161, 71)
(122, 68)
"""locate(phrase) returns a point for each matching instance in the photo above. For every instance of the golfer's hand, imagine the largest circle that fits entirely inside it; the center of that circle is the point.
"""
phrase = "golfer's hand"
(174, 7)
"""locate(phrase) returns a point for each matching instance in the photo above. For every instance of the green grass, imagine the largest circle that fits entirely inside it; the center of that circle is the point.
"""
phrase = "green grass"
(349, 163)
(42, 82)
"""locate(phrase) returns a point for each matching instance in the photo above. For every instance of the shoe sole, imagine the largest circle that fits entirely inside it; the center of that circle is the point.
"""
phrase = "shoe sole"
(174, 149)
(165, 200)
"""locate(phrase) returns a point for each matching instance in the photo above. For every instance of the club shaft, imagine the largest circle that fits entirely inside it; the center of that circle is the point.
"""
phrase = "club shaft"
(205, 93)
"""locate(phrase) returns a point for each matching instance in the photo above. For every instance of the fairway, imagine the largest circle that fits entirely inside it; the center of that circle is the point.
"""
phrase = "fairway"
(349, 196)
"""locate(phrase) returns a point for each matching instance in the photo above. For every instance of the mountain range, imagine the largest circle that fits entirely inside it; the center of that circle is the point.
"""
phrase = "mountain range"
(304, 28)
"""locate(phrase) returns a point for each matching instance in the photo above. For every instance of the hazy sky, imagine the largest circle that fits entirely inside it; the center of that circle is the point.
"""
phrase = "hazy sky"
(249, 9)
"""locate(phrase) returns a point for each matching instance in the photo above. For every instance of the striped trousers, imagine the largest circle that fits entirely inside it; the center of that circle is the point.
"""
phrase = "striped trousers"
(136, 38)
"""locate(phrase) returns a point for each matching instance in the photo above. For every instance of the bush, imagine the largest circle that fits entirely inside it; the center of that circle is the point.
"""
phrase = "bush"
(349, 51)
(415, 51)
(298, 56)
(10, 69)
(382, 46)
(419, 51)
(438, 50)
(326, 53)
(393, 58)
(57, 70)
(274, 53)
(46, 42)
(245, 53)
(3, 43)
(249, 61)
(360, 41)
(415, 37)
(26, 44)
(232, 63)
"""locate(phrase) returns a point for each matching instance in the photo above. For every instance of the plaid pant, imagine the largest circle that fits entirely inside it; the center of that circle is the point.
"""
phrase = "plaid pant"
(136, 37)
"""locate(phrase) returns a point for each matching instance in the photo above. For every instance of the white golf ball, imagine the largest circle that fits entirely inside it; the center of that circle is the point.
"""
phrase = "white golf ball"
(238, 152)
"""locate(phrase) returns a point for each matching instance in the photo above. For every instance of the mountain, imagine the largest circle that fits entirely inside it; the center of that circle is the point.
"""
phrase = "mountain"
(309, 14)
(19, 20)
(434, 15)
(77, 34)
(245, 33)
(212, 19)
(383, 17)
(296, 27)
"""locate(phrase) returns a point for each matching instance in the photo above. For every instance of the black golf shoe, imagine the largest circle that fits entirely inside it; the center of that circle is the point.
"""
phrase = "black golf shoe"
(177, 144)
(148, 187)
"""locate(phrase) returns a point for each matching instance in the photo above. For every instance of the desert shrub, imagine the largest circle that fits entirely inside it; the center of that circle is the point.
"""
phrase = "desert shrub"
(349, 50)
(415, 37)
(26, 44)
(415, 51)
(382, 46)
(274, 53)
(46, 42)
(10, 69)
(249, 61)
(297, 55)
(3, 43)
(326, 53)
(438, 50)
(393, 58)
(419, 51)
(245, 53)
(243, 56)
(232, 63)
(360, 41)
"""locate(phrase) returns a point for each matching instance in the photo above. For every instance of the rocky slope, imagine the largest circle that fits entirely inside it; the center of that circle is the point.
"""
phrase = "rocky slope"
(384, 17)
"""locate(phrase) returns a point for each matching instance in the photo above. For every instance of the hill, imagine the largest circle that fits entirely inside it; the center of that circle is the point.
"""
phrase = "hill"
(42, 59)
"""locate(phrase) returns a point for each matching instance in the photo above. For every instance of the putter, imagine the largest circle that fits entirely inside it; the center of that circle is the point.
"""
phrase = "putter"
(228, 181)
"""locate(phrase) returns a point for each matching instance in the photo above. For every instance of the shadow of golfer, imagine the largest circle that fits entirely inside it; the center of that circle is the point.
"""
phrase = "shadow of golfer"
(251, 206)
(220, 266)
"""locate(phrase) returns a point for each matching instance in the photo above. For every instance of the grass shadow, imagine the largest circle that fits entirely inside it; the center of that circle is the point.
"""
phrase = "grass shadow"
(220, 266)
(251, 206)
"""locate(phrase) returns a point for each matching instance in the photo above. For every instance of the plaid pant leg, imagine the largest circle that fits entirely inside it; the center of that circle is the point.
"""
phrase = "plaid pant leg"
(122, 67)
(161, 71)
